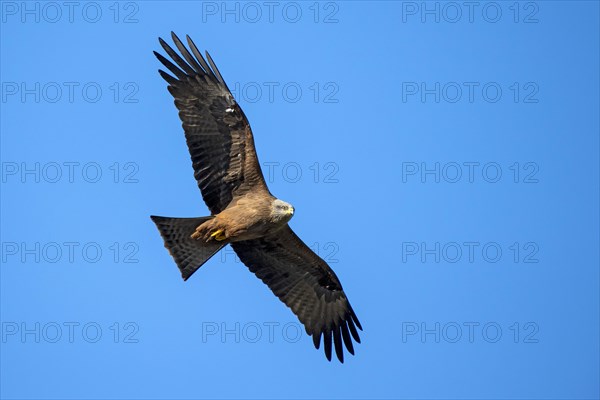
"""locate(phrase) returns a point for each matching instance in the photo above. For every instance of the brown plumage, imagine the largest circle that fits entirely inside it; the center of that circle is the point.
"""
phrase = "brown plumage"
(243, 211)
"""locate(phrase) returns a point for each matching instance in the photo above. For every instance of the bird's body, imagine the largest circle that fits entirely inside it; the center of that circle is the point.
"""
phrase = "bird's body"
(244, 219)
(244, 213)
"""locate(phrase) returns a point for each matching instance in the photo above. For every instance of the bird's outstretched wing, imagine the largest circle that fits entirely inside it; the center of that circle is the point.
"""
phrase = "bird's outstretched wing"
(306, 284)
(217, 132)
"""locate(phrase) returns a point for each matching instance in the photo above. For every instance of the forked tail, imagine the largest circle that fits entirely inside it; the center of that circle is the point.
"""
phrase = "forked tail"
(189, 254)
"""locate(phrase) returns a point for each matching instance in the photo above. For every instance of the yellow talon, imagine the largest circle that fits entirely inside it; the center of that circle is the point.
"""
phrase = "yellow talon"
(218, 235)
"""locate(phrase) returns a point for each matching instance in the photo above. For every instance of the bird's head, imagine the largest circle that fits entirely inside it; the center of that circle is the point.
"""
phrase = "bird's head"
(281, 211)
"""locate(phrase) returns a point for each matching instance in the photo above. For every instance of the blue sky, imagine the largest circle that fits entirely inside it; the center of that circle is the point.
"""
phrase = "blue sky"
(442, 157)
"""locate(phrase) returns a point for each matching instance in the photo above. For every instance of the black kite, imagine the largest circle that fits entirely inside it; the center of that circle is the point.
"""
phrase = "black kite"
(243, 211)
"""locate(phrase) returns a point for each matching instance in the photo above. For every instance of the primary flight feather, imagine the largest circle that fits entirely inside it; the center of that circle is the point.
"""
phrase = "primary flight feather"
(244, 213)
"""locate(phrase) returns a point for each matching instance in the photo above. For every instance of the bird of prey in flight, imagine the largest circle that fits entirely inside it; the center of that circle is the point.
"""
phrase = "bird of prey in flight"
(244, 213)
